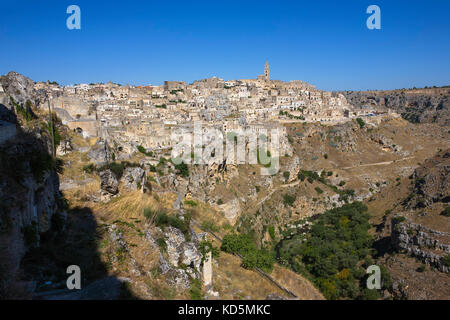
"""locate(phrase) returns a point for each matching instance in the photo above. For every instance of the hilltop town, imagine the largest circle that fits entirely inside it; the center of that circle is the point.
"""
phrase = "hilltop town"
(145, 115)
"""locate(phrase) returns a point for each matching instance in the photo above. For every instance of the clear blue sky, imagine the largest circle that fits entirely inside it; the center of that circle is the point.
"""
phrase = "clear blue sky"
(146, 42)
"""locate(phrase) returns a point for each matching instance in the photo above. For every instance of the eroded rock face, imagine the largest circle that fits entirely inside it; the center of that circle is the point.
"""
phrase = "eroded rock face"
(100, 153)
(293, 169)
(108, 183)
(428, 245)
(134, 178)
(232, 210)
(175, 277)
(431, 181)
(64, 148)
(421, 105)
(29, 198)
(181, 251)
(21, 88)
(182, 260)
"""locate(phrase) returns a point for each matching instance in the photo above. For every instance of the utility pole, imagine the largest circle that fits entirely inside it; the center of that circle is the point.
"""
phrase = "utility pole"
(51, 128)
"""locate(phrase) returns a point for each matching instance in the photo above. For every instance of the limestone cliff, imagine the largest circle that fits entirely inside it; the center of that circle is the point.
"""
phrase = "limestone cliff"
(29, 184)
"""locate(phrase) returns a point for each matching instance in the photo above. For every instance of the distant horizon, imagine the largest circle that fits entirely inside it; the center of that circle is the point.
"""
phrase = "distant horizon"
(324, 43)
(188, 83)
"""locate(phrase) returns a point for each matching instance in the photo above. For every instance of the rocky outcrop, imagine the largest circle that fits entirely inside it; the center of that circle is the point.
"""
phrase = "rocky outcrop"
(431, 181)
(180, 251)
(21, 89)
(428, 245)
(293, 168)
(109, 186)
(100, 153)
(417, 106)
(175, 277)
(231, 209)
(65, 147)
(134, 178)
(181, 260)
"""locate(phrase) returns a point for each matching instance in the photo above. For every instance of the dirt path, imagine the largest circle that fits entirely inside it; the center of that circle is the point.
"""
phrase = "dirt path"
(377, 163)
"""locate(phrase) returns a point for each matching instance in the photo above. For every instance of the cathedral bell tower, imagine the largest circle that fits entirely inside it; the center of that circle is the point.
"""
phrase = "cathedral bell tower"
(266, 71)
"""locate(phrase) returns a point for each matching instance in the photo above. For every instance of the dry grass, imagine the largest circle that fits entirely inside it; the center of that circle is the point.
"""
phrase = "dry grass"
(234, 282)
(131, 205)
(296, 283)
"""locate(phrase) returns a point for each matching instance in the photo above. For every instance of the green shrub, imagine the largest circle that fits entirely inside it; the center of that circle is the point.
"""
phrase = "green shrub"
(288, 200)
(205, 247)
(26, 112)
(162, 220)
(191, 203)
(318, 190)
(447, 260)
(161, 242)
(301, 176)
(149, 213)
(398, 219)
(182, 169)
(360, 122)
(271, 230)
(89, 168)
(141, 149)
(446, 211)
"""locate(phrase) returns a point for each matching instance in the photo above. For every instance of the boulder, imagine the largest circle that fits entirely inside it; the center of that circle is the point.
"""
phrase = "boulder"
(134, 178)
(64, 148)
(293, 169)
(108, 183)
(231, 209)
(100, 153)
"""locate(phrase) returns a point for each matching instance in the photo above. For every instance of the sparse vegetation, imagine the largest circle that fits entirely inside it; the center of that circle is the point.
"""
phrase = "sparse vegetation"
(360, 122)
(162, 220)
(288, 200)
(182, 169)
(190, 202)
(141, 149)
